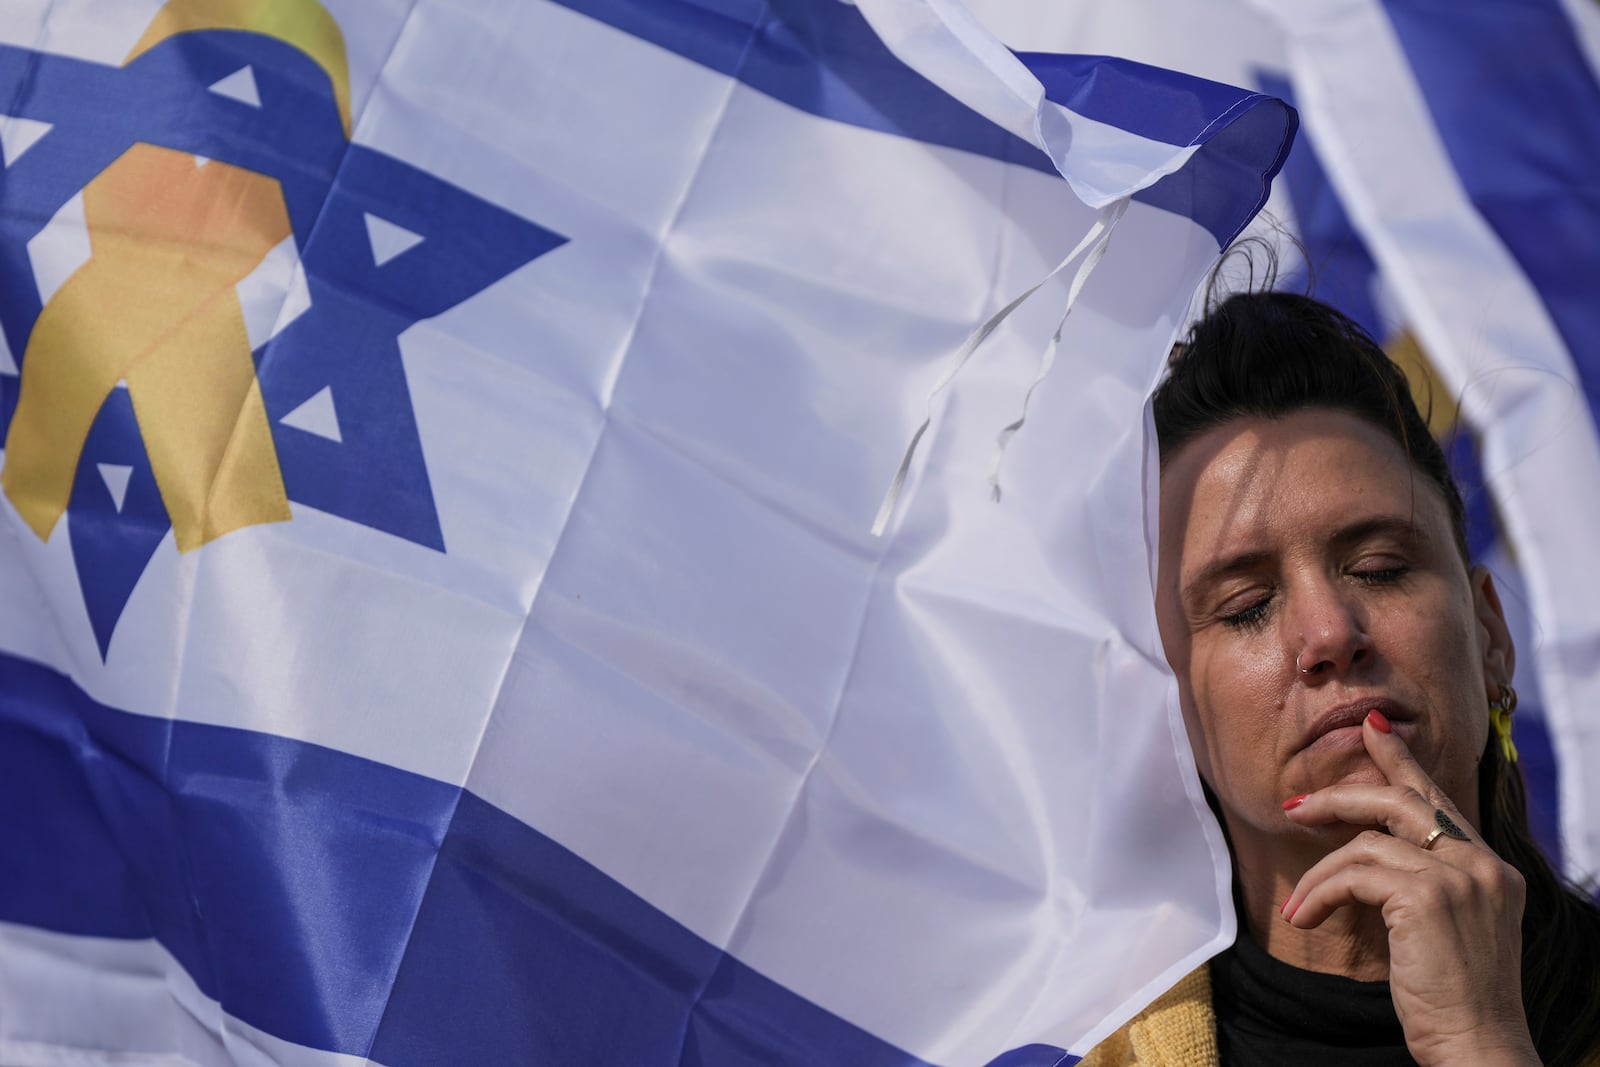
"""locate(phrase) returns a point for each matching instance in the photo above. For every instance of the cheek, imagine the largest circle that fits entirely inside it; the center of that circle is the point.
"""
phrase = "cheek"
(1447, 653)
(1455, 680)
(1441, 667)
(1238, 693)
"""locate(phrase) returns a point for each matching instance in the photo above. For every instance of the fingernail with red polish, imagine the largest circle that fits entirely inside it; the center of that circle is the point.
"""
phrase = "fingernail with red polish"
(1295, 802)
(1379, 721)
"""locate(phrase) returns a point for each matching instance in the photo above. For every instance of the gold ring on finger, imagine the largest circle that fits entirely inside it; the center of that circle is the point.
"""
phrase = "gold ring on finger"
(1443, 825)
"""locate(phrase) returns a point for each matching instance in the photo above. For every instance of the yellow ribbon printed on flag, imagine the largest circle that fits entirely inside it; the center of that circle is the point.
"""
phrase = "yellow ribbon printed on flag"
(305, 24)
(155, 307)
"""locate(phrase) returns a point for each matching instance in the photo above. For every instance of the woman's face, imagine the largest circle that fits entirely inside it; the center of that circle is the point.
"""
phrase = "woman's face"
(1312, 538)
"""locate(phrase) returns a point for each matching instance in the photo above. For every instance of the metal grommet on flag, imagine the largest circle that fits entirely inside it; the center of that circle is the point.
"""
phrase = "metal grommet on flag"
(1094, 243)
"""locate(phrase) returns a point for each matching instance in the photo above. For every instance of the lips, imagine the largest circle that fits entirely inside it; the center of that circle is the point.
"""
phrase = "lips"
(1351, 714)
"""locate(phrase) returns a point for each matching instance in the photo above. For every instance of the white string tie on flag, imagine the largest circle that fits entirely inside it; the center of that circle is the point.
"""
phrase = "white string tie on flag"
(1094, 243)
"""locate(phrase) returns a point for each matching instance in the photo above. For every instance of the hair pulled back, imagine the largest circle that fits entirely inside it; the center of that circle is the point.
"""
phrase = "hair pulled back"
(1271, 354)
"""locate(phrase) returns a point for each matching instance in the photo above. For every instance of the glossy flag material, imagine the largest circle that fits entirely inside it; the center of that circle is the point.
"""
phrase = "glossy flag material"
(1442, 188)
(1495, 269)
(441, 618)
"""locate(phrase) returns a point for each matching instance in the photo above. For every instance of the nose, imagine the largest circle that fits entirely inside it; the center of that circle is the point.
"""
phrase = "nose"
(1331, 631)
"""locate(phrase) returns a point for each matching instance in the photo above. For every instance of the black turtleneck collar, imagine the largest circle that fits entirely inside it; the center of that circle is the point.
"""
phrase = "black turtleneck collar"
(1271, 1013)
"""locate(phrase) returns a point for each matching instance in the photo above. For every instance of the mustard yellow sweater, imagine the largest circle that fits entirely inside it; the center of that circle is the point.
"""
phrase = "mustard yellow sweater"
(1178, 1030)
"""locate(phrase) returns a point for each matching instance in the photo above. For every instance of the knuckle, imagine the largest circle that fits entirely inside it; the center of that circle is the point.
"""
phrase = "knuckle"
(1490, 867)
(1370, 840)
(1435, 800)
(1517, 892)
(1515, 879)
(1505, 880)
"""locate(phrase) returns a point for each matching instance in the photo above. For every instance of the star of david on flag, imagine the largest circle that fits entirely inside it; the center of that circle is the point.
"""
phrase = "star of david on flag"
(198, 117)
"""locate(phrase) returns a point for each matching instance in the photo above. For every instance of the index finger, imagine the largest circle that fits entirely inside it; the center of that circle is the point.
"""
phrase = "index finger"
(1400, 811)
(1394, 759)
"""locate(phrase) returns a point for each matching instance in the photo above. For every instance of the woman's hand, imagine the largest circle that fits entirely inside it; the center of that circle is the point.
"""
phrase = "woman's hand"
(1453, 910)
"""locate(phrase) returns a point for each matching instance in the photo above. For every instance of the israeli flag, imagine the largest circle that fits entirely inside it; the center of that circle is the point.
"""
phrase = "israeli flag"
(1492, 245)
(1443, 190)
(442, 622)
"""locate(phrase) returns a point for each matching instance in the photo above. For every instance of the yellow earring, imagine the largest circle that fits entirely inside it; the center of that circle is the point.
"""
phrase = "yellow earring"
(1500, 718)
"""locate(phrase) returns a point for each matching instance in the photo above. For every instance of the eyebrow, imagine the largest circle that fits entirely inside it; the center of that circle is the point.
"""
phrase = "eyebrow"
(1396, 526)
(1343, 538)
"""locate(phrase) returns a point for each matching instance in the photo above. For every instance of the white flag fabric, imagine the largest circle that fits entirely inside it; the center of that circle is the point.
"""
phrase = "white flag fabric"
(1443, 190)
(441, 622)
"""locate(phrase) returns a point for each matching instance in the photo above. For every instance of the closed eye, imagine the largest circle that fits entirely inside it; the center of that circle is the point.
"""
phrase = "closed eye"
(1381, 576)
(1248, 618)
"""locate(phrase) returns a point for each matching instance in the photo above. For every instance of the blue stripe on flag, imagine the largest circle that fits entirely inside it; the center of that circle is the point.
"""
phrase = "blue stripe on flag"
(1518, 109)
(1344, 273)
(825, 59)
(1537, 756)
(1228, 180)
(285, 878)
(1156, 103)
(524, 953)
(1035, 1056)
(1341, 269)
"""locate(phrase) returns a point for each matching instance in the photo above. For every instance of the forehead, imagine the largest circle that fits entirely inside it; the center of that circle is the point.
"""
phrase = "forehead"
(1254, 479)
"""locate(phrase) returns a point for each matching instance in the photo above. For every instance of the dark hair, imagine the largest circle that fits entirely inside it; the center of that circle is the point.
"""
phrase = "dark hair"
(1270, 354)
(1265, 355)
